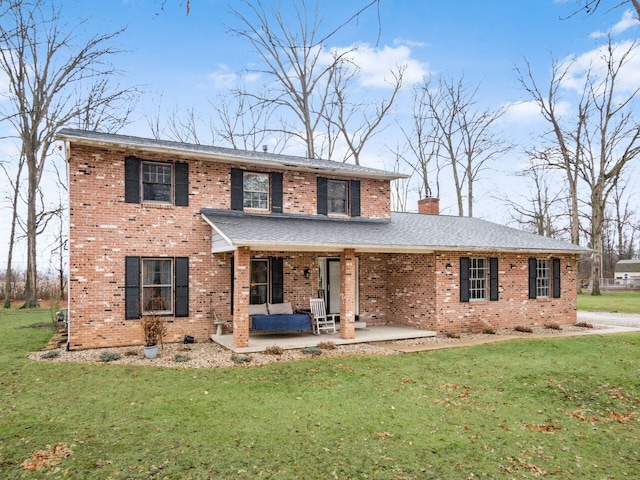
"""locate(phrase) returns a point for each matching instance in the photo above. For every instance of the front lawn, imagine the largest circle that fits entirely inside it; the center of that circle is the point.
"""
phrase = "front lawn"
(610, 301)
(563, 408)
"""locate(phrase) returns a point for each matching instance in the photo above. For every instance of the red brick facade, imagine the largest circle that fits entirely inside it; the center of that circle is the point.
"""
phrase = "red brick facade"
(416, 290)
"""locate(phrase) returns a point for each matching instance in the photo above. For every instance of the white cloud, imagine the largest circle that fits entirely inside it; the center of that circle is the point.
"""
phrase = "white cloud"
(629, 20)
(376, 64)
(528, 112)
(593, 62)
(223, 78)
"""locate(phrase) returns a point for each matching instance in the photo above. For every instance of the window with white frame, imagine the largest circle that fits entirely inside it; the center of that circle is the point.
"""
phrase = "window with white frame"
(477, 279)
(338, 197)
(157, 285)
(256, 190)
(259, 277)
(156, 182)
(543, 279)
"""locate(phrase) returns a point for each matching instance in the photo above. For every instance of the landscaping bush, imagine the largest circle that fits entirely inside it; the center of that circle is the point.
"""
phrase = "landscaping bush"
(584, 325)
(107, 356)
(489, 331)
(180, 358)
(311, 351)
(327, 345)
(553, 326)
(274, 350)
(51, 354)
(522, 328)
(241, 359)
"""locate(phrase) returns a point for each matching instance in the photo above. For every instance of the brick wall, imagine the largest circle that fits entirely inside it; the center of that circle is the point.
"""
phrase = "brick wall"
(412, 290)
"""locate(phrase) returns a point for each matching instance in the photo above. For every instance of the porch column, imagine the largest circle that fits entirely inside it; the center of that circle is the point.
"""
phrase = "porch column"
(241, 284)
(347, 294)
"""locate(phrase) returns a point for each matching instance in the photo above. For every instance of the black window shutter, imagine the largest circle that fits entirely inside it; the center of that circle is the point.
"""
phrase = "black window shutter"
(182, 184)
(277, 280)
(322, 196)
(132, 287)
(354, 190)
(556, 278)
(493, 279)
(132, 180)
(532, 277)
(276, 192)
(182, 287)
(237, 189)
(464, 279)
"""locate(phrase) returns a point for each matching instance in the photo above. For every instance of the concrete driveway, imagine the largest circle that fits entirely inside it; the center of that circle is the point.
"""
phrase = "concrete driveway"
(610, 318)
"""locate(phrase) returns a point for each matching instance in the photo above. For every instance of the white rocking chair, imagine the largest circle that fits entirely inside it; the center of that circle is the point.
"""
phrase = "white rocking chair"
(322, 322)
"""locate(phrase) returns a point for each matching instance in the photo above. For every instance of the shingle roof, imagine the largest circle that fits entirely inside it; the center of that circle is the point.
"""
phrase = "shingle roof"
(627, 266)
(410, 232)
(239, 157)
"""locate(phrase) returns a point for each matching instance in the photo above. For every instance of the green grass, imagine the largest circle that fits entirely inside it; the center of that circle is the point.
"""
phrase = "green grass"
(568, 407)
(610, 301)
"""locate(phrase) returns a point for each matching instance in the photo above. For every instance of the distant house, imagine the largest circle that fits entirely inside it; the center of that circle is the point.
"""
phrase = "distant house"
(627, 269)
(197, 228)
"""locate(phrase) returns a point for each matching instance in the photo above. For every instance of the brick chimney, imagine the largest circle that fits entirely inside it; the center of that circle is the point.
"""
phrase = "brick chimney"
(429, 206)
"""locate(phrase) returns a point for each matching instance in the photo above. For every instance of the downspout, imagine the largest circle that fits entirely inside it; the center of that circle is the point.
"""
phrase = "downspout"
(67, 157)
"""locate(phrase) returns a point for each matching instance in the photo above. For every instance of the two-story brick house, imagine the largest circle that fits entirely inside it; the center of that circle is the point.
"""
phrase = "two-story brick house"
(203, 228)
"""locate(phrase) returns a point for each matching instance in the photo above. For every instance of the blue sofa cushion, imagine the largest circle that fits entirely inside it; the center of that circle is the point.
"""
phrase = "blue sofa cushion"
(282, 322)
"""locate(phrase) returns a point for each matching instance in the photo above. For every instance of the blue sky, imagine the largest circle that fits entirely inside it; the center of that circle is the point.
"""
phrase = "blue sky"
(186, 60)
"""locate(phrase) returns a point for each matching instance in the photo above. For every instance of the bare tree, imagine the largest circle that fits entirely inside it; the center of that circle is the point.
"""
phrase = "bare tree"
(422, 143)
(14, 182)
(307, 82)
(604, 138)
(540, 209)
(355, 120)
(52, 82)
(590, 6)
(466, 135)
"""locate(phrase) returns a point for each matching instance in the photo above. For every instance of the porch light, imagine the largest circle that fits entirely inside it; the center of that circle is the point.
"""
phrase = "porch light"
(307, 273)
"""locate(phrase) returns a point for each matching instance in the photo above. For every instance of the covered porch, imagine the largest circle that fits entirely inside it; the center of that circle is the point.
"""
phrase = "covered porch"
(259, 341)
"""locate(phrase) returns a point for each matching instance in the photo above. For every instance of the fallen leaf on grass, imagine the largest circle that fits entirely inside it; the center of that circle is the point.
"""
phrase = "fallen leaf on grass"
(383, 435)
(53, 455)
(542, 427)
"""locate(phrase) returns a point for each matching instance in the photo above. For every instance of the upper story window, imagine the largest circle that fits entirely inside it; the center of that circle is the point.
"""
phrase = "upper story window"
(543, 279)
(157, 182)
(477, 279)
(338, 197)
(255, 190)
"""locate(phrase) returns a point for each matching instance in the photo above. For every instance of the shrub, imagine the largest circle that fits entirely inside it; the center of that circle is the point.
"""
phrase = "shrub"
(584, 325)
(522, 328)
(240, 359)
(274, 350)
(180, 358)
(106, 356)
(489, 331)
(51, 354)
(131, 353)
(553, 326)
(327, 345)
(311, 351)
(452, 335)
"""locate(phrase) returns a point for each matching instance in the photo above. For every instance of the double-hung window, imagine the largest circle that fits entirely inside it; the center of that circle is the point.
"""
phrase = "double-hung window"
(157, 182)
(157, 285)
(338, 197)
(543, 278)
(256, 190)
(477, 279)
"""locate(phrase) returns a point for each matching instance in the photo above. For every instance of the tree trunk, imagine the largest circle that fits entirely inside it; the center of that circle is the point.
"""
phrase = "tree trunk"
(31, 285)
